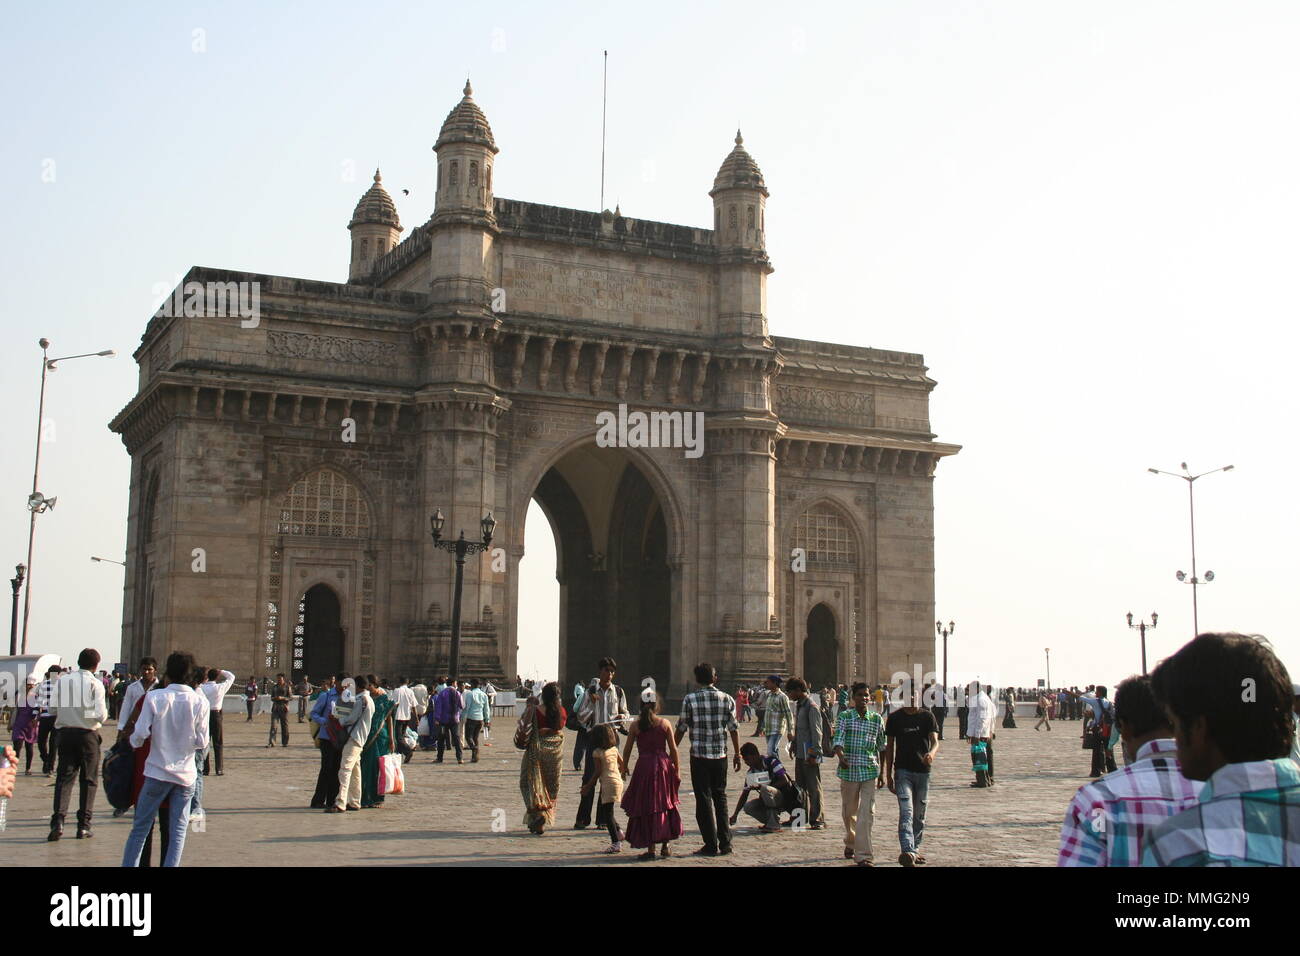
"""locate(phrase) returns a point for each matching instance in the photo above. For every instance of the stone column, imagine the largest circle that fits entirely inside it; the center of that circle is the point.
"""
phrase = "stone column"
(460, 410)
(744, 534)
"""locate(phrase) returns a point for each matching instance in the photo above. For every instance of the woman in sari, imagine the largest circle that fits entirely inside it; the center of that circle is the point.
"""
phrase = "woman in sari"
(378, 744)
(539, 775)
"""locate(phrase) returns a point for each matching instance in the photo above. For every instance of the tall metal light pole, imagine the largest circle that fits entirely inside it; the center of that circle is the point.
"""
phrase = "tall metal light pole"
(944, 632)
(36, 502)
(460, 548)
(1048, 651)
(1142, 629)
(1191, 510)
(16, 582)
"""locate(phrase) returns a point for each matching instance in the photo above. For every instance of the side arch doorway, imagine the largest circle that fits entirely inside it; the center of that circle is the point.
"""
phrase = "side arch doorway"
(821, 649)
(318, 634)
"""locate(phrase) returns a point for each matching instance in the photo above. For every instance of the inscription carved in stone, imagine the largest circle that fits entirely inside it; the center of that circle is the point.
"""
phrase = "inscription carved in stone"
(331, 348)
(822, 400)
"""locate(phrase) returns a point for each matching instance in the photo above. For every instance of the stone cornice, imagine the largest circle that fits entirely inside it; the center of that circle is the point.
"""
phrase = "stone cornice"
(880, 456)
(176, 395)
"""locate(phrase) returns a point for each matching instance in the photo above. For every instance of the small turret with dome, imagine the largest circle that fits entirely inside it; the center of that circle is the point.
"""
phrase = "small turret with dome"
(739, 210)
(739, 202)
(375, 229)
(466, 150)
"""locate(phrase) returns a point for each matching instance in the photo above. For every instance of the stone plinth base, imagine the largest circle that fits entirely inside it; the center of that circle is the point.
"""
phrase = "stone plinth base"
(746, 657)
(427, 654)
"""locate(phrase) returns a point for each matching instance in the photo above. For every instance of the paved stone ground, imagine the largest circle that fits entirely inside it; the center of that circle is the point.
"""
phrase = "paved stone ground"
(258, 815)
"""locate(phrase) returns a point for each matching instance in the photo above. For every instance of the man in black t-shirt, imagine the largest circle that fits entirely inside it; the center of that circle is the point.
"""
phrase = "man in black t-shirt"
(913, 744)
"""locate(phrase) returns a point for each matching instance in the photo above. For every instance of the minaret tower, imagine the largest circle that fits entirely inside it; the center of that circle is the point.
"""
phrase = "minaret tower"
(464, 224)
(459, 402)
(739, 205)
(743, 430)
(375, 229)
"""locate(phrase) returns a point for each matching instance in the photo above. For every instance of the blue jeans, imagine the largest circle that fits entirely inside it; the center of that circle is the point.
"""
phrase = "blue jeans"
(152, 795)
(196, 802)
(774, 745)
(913, 790)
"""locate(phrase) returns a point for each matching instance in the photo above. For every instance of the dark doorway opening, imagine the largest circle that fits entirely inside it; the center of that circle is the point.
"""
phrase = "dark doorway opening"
(821, 649)
(612, 544)
(318, 636)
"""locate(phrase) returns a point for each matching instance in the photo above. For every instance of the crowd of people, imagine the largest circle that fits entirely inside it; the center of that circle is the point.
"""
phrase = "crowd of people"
(1211, 771)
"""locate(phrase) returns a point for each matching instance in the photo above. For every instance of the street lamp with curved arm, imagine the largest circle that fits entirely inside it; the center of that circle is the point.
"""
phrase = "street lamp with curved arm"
(47, 365)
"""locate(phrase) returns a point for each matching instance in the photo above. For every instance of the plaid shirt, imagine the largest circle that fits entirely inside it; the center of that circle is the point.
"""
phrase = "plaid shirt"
(778, 718)
(1107, 819)
(709, 715)
(1248, 815)
(860, 737)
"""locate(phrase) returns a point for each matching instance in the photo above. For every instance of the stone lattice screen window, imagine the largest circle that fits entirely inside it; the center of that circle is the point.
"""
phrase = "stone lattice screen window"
(827, 539)
(324, 504)
(272, 658)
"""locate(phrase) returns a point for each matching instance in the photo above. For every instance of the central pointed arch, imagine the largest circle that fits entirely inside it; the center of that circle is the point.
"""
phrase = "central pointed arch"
(618, 531)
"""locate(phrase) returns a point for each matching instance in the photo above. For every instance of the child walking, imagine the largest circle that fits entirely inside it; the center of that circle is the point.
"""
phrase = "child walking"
(609, 774)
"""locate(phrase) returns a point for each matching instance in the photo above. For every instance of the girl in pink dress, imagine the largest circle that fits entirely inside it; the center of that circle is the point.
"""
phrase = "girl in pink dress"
(651, 800)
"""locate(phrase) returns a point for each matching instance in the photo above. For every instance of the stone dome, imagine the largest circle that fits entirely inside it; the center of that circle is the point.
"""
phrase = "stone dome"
(739, 171)
(376, 206)
(466, 124)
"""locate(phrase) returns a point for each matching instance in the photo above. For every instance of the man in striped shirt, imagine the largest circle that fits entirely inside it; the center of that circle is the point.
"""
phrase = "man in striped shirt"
(47, 740)
(1108, 818)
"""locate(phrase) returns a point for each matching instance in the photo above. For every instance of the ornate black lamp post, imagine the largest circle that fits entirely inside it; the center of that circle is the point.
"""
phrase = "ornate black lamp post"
(1142, 629)
(460, 547)
(944, 632)
(16, 582)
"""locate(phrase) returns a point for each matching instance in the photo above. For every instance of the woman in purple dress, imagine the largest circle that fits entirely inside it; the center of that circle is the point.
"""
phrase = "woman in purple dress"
(651, 799)
(26, 724)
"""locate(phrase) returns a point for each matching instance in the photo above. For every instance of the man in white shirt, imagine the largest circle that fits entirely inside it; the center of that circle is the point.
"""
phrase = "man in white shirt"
(136, 690)
(357, 723)
(215, 689)
(80, 708)
(979, 722)
(404, 704)
(175, 718)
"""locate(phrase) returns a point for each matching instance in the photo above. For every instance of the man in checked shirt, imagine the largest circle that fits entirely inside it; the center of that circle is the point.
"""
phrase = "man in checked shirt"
(1108, 818)
(859, 734)
(710, 717)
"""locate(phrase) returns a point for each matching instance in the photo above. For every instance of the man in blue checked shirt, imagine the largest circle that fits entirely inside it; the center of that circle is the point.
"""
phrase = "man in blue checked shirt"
(859, 734)
(1230, 702)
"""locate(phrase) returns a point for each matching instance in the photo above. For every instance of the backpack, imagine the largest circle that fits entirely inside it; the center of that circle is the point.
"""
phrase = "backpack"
(1107, 722)
(828, 735)
(119, 774)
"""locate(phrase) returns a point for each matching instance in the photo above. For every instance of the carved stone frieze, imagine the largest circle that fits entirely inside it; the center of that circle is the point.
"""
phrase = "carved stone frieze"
(330, 348)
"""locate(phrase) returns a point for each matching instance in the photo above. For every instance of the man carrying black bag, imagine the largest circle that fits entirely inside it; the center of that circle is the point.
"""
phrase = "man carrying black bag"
(604, 703)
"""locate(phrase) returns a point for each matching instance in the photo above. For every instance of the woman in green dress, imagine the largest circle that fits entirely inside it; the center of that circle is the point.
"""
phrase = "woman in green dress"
(378, 744)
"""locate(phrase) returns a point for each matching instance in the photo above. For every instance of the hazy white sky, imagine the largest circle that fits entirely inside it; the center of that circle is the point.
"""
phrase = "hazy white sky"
(1083, 214)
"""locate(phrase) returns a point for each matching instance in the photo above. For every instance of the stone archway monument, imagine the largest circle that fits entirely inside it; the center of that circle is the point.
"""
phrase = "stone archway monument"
(708, 483)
